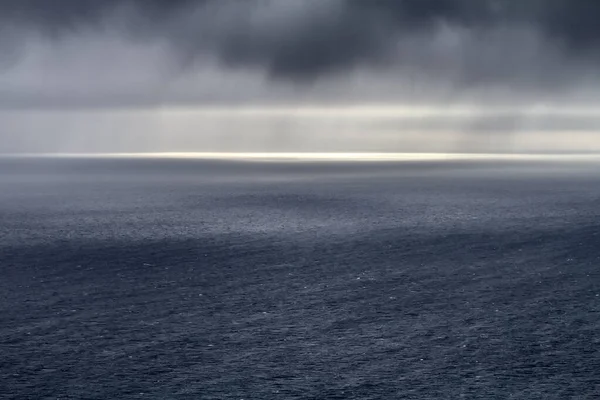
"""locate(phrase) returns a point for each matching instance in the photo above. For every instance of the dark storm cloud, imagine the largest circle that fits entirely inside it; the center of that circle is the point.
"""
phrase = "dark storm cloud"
(329, 35)
(61, 15)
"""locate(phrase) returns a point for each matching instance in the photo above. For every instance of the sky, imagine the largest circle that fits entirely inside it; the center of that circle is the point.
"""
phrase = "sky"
(299, 75)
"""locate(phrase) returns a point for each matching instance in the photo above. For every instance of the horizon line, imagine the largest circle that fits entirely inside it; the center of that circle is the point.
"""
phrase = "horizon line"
(318, 156)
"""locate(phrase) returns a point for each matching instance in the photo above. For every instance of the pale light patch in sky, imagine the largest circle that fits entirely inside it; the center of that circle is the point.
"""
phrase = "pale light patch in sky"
(285, 129)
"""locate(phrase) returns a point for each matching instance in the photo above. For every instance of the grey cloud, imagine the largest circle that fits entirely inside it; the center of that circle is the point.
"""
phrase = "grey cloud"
(311, 37)
(291, 49)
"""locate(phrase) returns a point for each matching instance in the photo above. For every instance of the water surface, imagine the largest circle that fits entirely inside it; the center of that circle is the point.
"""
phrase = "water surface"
(167, 278)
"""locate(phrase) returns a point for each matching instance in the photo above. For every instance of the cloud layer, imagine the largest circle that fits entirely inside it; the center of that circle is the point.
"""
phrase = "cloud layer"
(532, 45)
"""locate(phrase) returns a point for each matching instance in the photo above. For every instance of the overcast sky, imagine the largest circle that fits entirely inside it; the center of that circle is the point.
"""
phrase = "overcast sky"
(140, 75)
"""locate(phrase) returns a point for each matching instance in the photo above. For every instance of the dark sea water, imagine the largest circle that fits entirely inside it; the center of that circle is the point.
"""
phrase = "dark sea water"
(206, 279)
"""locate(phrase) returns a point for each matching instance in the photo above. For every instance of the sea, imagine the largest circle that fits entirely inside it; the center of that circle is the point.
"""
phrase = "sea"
(299, 277)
